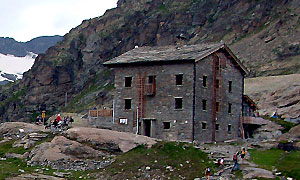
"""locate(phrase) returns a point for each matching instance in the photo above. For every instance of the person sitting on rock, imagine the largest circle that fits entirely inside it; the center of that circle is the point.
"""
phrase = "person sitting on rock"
(38, 120)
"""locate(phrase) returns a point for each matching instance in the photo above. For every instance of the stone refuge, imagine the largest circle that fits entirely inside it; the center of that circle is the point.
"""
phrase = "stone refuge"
(183, 92)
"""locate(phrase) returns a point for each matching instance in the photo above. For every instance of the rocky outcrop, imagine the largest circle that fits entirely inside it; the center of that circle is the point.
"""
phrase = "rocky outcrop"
(108, 140)
(34, 176)
(61, 148)
(292, 135)
(275, 93)
(18, 130)
(73, 68)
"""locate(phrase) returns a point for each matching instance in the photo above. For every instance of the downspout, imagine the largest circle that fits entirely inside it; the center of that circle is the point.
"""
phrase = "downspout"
(113, 113)
(241, 114)
(137, 120)
(194, 101)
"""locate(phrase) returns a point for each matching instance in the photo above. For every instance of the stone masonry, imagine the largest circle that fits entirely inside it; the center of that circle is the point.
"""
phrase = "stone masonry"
(182, 106)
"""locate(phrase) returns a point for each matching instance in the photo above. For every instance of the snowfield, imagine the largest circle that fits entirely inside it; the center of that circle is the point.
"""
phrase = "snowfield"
(12, 68)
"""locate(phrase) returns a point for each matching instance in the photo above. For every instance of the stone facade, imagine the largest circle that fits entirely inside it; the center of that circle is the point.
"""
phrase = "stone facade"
(181, 108)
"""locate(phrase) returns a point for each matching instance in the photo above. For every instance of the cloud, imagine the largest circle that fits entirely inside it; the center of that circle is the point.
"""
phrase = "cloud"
(26, 19)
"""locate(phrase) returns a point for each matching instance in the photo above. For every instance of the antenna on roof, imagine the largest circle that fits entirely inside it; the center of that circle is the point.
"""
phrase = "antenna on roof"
(181, 40)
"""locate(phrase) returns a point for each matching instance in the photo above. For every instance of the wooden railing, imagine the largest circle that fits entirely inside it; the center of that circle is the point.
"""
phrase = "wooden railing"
(101, 113)
(253, 120)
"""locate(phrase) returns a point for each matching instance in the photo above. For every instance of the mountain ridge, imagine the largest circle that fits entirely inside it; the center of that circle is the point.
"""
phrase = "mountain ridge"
(20, 49)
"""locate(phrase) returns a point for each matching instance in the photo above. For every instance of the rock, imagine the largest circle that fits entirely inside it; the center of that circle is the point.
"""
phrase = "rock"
(61, 148)
(252, 172)
(62, 153)
(34, 176)
(13, 155)
(18, 130)
(292, 135)
(104, 139)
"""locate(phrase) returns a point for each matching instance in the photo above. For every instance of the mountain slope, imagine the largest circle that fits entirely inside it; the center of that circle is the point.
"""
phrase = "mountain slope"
(37, 45)
(73, 67)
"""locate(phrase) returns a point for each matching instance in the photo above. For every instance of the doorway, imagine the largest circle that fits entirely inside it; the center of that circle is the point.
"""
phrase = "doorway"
(147, 128)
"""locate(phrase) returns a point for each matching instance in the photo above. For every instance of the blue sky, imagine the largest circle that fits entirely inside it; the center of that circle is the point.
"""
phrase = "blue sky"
(27, 19)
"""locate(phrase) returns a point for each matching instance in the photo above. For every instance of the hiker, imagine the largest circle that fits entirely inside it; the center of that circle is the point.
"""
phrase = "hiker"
(236, 164)
(71, 120)
(207, 173)
(243, 154)
(221, 162)
(58, 118)
(38, 120)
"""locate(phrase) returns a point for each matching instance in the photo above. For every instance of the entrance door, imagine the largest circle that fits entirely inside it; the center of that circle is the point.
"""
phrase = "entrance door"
(147, 128)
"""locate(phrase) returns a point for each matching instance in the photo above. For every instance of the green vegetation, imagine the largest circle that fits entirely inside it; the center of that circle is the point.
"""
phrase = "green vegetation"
(7, 148)
(286, 125)
(87, 98)
(181, 158)
(171, 159)
(286, 162)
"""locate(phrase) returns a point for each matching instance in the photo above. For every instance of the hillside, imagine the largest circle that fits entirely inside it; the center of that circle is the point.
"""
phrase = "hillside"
(263, 34)
(28, 151)
(276, 93)
(20, 49)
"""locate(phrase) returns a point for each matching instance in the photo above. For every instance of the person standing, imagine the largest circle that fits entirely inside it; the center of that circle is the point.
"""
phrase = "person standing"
(243, 154)
(236, 163)
(207, 173)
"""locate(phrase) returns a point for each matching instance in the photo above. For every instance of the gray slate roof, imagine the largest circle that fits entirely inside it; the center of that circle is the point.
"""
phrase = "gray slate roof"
(169, 53)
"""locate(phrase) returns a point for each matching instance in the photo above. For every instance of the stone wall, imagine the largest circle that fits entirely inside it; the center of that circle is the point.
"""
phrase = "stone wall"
(224, 97)
(159, 108)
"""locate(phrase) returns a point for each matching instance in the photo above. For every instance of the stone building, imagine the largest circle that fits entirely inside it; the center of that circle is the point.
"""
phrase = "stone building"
(187, 93)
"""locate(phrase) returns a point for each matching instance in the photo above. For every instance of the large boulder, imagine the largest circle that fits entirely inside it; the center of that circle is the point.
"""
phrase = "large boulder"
(61, 148)
(108, 140)
(292, 135)
(19, 129)
(268, 132)
(252, 172)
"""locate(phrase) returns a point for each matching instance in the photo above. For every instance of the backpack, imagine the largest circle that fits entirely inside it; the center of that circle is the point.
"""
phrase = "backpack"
(234, 157)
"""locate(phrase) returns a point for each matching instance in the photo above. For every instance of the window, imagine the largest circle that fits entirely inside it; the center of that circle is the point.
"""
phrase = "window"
(204, 104)
(203, 125)
(128, 81)
(127, 103)
(217, 106)
(217, 63)
(151, 79)
(167, 125)
(229, 108)
(123, 121)
(229, 86)
(204, 82)
(217, 83)
(229, 128)
(217, 127)
(179, 78)
(178, 103)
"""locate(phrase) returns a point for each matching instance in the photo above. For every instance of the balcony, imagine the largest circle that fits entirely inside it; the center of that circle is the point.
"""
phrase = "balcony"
(149, 89)
(253, 120)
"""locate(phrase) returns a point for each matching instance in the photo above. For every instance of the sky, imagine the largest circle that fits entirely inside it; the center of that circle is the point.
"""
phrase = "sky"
(27, 19)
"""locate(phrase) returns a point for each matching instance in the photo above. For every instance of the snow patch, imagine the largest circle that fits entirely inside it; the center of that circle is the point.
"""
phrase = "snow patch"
(12, 68)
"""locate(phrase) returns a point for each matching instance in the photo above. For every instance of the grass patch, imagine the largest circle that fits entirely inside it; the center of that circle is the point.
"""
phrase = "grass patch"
(286, 125)
(286, 162)
(169, 159)
(7, 148)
